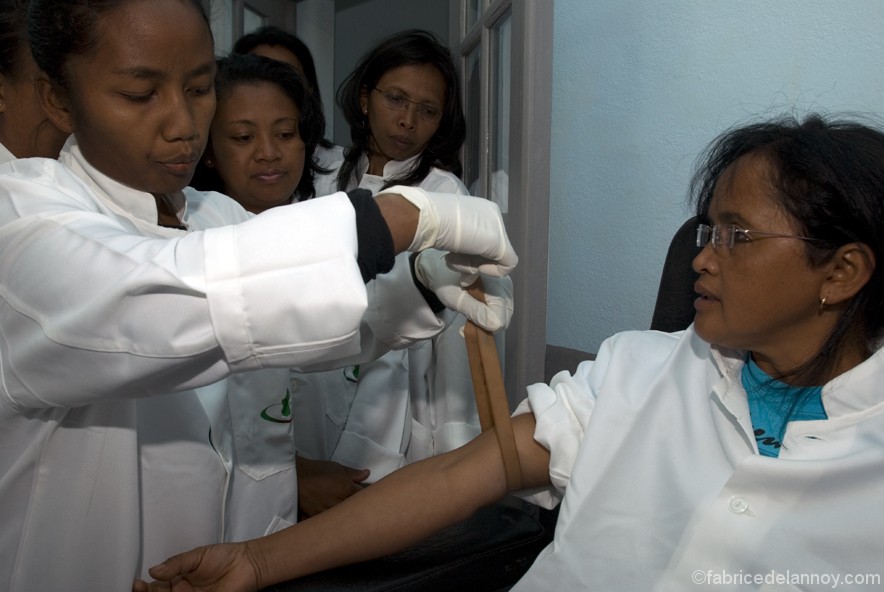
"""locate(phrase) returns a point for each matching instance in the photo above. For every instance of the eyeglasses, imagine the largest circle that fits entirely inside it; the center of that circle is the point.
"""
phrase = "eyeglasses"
(727, 235)
(400, 103)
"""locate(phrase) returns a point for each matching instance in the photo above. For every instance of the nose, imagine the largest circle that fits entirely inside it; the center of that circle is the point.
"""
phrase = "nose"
(409, 116)
(266, 148)
(181, 121)
(706, 260)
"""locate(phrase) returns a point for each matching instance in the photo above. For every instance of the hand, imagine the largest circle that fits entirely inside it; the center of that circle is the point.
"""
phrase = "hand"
(324, 483)
(450, 287)
(228, 567)
(471, 228)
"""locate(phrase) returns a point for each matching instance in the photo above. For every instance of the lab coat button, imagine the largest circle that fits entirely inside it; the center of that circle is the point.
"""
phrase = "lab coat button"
(738, 505)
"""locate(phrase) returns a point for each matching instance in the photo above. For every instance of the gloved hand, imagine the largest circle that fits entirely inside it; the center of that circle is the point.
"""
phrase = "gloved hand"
(450, 287)
(471, 228)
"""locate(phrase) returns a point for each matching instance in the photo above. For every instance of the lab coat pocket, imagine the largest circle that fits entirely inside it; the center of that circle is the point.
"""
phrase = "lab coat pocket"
(260, 410)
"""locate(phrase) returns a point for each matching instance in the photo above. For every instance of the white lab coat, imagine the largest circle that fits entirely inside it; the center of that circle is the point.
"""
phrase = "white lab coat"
(409, 404)
(664, 489)
(116, 340)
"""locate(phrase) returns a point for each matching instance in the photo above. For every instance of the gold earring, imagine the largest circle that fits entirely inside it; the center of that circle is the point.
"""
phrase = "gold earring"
(823, 303)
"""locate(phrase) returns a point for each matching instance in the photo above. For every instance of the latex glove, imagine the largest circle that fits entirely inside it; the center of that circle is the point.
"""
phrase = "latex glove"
(471, 228)
(450, 287)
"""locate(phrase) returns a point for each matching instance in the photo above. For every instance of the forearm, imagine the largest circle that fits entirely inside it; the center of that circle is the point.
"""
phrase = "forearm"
(401, 509)
(401, 217)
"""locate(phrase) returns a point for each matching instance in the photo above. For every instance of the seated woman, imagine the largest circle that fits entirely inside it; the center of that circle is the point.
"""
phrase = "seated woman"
(750, 443)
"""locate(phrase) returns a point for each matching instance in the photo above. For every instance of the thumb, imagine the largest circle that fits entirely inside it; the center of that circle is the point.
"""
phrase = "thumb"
(177, 564)
(359, 475)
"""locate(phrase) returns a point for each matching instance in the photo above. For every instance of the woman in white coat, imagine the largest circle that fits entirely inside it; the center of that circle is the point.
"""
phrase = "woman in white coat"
(128, 298)
(402, 102)
(742, 453)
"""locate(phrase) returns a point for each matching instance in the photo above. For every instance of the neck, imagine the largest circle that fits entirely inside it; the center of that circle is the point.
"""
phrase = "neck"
(166, 214)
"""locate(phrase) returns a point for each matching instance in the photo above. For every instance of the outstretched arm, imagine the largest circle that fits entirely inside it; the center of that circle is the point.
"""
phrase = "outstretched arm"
(397, 511)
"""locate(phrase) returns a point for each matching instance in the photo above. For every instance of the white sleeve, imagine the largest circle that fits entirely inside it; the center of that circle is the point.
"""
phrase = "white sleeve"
(88, 307)
(562, 410)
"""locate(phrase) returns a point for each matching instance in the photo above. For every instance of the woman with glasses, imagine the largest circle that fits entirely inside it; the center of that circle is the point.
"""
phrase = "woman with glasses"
(746, 452)
(402, 102)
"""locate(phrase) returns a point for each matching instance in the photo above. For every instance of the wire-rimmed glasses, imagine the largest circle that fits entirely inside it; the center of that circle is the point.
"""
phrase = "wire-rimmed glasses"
(397, 102)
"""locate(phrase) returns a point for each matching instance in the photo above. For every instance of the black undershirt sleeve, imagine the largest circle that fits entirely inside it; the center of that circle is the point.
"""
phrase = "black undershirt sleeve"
(376, 253)
(375, 243)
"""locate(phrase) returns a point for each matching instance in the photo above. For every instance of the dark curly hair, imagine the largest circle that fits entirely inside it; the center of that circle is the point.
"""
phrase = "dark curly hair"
(270, 35)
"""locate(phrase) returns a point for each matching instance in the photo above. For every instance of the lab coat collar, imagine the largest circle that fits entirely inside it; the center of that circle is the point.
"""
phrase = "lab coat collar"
(138, 206)
(5, 154)
(392, 168)
(845, 394)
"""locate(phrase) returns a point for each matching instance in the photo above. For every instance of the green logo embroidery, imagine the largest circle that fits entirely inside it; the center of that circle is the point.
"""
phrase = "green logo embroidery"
(279, 412)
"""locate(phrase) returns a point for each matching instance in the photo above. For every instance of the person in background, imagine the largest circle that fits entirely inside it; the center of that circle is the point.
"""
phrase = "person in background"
(743, 452)
(402, 102)
(275, 43)
(25, 130)
(262, 138)
(129, 298)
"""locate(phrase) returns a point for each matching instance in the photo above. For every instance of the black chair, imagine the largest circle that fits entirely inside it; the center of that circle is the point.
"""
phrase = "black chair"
(674, 309)
(489, 552)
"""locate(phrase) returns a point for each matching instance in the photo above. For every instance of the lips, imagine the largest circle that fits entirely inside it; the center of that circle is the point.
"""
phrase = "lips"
(402, 141)
(269, 175)
(180, 165)
(705, 297)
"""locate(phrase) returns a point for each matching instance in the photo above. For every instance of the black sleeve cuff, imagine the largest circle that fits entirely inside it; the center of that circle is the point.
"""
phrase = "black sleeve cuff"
(376, 254)
(432, 300)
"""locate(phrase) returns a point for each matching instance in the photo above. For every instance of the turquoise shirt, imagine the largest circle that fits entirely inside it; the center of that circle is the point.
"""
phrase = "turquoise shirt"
(773, 404)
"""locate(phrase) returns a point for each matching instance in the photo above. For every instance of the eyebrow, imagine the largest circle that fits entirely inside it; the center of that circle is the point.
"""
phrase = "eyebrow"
(252, 122)
(145, 73)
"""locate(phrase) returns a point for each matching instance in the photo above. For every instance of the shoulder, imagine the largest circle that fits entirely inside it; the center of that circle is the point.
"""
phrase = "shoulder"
(329, 158)
(443, 182)
(648, 353)
(209, 209)
(44, 183)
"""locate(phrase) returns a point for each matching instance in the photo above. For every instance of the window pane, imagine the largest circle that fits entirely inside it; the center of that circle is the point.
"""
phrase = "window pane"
(473, 9)
(500, 101)
(472, 105)
(251, 20)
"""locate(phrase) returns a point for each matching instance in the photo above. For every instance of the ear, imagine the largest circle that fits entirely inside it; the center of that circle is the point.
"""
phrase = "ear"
(850, 269)
(209, 156)
(363, 100)
(55, 104)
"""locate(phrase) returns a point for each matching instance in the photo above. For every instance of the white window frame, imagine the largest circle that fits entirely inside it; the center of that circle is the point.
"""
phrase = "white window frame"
(527, 218)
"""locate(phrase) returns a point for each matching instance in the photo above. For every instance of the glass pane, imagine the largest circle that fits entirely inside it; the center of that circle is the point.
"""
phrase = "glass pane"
(472, 106)
(222, 25)
(473, 9)
(251, 20)
(500, 111)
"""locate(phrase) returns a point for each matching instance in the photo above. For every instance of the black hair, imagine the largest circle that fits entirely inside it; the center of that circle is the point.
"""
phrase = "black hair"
(237, 69)
(829, 176)
(270, 35)
(59, 29)
(13, 36)
(412, 47)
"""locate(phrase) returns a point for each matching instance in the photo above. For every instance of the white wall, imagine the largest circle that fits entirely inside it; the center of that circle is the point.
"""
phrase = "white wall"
(639, 88)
